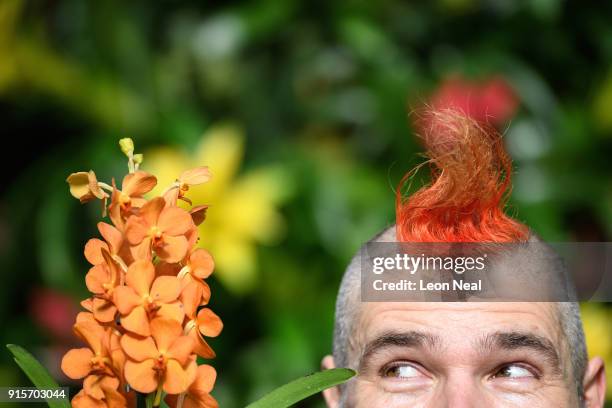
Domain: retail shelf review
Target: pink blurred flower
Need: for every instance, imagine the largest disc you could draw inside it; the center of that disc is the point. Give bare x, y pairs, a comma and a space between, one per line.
492, 100
53, 311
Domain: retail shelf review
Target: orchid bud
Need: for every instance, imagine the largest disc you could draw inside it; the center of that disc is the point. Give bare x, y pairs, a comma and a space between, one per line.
127, 146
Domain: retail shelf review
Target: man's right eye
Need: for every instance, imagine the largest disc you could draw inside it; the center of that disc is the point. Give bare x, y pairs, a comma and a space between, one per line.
401, 370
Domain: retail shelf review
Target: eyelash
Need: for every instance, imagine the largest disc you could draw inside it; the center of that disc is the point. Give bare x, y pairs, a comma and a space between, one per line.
385, 369
536, 374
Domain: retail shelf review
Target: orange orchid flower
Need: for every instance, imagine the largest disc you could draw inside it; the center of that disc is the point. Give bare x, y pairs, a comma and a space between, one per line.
199, 265
145, 297
78, 363
102, 280
112, 242
163, 361
207, 324
99, 362
191, 177
109, 342
201, 323
190, 287
111, 398
198, 393
161, 228
145, 271
84, 186
96, 386
133, 187
195, 292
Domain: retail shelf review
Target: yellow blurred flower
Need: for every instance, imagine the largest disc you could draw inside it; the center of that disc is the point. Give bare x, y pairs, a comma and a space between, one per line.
597, 321
601, 103
243, 208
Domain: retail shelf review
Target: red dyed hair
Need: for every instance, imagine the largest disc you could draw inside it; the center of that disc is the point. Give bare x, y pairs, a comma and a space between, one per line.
471, 180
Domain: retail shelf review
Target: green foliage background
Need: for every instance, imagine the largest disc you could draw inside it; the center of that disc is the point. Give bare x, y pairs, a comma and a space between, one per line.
320, 89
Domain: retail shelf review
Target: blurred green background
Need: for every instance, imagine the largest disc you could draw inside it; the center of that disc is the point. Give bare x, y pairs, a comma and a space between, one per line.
300, 109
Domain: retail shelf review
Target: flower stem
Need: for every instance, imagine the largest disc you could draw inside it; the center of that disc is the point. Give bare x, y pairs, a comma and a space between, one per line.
171, 187
180, 399
105, 186
158, 395
131, 167
149, 401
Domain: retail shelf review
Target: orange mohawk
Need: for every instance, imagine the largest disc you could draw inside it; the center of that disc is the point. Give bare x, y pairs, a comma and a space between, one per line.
471, 174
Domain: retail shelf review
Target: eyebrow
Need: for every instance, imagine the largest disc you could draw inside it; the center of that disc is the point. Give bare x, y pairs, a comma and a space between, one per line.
515, 340
411, 339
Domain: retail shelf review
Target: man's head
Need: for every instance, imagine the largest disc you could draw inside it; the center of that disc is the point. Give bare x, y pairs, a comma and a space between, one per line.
445, 354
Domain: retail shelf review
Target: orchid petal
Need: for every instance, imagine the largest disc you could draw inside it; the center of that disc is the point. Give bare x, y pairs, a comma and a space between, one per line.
202, 348
150, 212
195, 176
198, 214
205, 380
103, 310
173, 311
166, 289
140, 276
82, 400
92, 333
181, 349
93, 252
142, 251
177, 379
191, 297
76, 364
138, 183
126, 299
209, 323
202, 263
174, 248
137, 321
174, 221
139, 349
136, 230
165, 332
141, 375
111, 235
96, 277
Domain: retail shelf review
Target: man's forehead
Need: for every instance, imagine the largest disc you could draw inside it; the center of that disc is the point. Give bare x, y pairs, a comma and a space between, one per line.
457, 320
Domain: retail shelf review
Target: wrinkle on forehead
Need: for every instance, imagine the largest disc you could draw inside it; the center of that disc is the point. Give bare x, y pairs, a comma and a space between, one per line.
448, 319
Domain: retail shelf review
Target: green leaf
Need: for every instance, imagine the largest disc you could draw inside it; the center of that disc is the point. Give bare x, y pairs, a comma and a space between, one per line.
37, 373
302, 388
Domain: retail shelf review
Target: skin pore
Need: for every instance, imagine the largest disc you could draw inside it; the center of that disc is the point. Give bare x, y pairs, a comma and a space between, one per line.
462, 355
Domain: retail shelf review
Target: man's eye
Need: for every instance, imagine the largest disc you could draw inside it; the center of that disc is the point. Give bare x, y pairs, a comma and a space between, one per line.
514, 371
401, 371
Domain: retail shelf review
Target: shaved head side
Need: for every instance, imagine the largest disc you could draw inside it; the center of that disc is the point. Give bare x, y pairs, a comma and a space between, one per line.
571, 326
348, 301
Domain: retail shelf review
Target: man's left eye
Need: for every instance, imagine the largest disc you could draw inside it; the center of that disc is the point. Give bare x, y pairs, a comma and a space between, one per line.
514, 371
